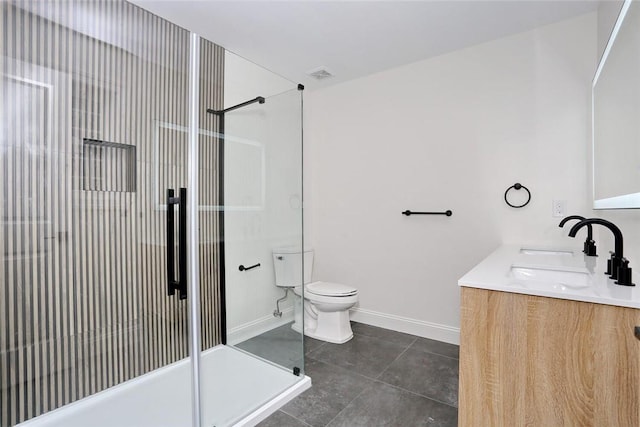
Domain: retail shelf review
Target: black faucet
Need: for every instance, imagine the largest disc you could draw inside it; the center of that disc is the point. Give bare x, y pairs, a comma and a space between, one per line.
589, 244
617, 266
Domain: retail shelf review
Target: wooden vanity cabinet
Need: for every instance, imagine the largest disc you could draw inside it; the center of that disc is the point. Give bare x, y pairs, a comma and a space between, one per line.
535, 361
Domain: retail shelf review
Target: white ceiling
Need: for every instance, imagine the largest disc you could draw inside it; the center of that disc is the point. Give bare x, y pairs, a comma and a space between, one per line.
355, 38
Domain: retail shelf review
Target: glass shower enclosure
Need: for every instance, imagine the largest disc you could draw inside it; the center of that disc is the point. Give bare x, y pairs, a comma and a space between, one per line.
130, 198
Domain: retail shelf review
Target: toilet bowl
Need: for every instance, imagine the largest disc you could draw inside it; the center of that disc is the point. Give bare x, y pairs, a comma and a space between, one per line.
325, 309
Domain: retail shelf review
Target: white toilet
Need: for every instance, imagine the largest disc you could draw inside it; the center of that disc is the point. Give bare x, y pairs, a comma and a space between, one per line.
326, 304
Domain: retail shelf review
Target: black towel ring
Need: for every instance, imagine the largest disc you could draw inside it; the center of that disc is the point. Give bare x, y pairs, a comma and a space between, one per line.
517, 186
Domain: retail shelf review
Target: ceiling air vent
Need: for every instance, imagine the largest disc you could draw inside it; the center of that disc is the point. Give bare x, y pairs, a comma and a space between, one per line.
320, 73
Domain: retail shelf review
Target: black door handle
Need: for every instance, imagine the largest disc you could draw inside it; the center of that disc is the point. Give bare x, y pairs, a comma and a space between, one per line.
182, 243
180, 283
636, 332
172, 284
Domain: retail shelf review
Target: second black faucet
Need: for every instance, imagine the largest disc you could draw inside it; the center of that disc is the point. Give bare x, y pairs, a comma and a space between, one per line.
617, 266
589, 244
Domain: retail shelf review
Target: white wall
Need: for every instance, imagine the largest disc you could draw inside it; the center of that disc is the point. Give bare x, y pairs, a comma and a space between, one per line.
262, 192
451, 132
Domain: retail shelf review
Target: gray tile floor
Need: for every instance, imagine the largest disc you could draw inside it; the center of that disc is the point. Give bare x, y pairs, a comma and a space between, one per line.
379, 378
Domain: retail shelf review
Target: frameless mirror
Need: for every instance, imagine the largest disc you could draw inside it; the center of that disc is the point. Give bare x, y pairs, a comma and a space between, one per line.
616, 116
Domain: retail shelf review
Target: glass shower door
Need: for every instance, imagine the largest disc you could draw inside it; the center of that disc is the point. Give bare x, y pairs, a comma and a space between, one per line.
33, 235
259, 143
263, 216
93, 131
97, 157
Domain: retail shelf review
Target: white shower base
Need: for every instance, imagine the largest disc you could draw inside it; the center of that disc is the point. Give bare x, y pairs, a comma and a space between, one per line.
237, 389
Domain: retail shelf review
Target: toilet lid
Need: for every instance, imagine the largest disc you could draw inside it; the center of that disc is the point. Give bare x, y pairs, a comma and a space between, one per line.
329, 289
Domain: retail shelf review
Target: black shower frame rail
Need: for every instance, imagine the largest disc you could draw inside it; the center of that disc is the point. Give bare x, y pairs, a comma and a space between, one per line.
221, 246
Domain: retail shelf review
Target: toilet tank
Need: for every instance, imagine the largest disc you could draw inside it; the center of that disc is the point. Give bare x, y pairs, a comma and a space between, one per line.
288, 266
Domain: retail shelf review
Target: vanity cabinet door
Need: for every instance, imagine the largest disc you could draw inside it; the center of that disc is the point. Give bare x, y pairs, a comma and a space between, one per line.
535, 361
617, 371
492, 359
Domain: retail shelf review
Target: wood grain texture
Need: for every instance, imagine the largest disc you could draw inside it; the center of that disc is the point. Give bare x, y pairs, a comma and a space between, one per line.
617, 377
534, 361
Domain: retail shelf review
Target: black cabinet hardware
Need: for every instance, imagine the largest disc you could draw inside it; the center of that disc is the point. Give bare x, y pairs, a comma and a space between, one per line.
177, 284
408, 213
243, 268
636, 332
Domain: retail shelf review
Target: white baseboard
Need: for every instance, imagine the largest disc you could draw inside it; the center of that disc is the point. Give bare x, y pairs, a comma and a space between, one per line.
421, 328
259, 326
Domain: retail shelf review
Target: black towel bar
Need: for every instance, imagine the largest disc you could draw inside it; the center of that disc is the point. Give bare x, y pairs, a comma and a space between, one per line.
408, 212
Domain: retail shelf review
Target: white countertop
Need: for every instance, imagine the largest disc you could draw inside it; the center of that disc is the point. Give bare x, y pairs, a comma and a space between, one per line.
495, 273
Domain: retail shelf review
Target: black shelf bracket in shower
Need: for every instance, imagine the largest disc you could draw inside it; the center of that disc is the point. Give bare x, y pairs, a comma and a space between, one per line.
409, 213
258, 99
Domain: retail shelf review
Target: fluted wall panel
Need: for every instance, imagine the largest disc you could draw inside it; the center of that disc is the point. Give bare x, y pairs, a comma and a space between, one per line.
211, 189
83, 302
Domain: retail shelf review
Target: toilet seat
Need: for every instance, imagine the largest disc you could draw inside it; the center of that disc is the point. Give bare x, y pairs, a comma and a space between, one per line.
329, 289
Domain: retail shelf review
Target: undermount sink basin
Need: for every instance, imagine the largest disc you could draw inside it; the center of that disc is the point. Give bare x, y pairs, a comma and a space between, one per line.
531, 251
558, 279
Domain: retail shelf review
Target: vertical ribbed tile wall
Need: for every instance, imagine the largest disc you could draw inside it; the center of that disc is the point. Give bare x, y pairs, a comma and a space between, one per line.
211, 192
83, 302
